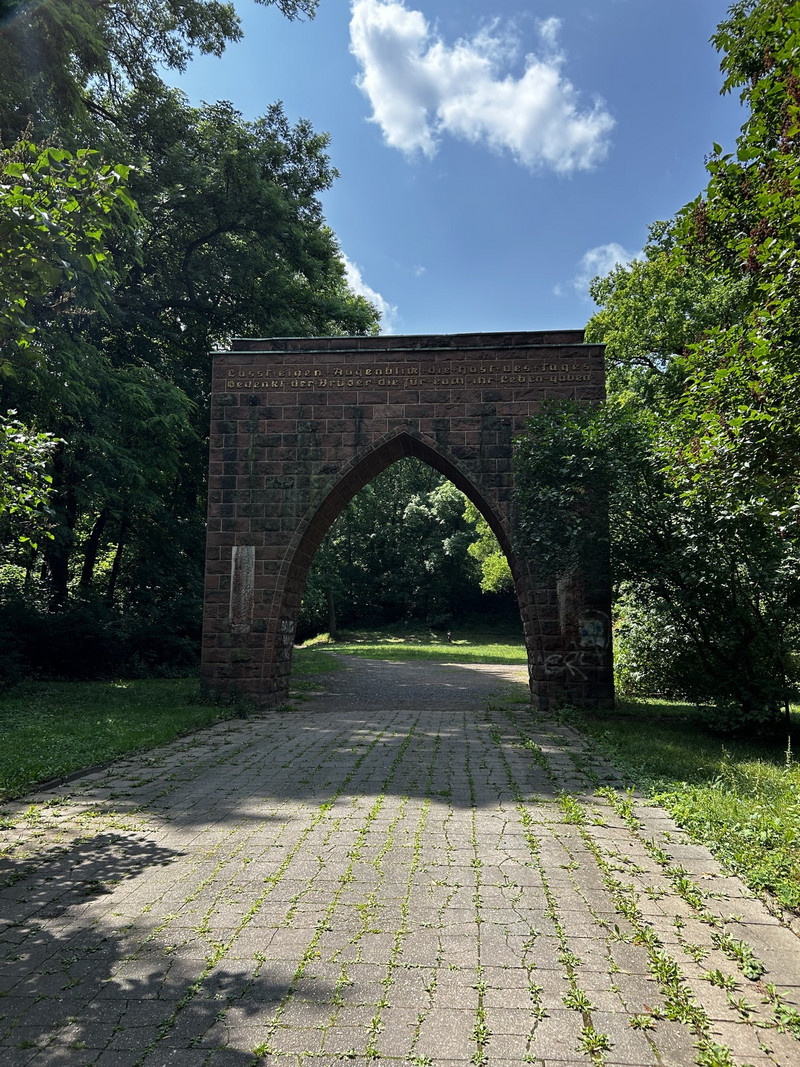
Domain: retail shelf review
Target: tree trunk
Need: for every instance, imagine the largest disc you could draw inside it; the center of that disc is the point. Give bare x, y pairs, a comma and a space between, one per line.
92, 548
332, 616
115, 566
57, 551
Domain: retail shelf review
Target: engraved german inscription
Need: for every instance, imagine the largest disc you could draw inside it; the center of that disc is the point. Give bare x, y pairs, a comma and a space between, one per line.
404, 376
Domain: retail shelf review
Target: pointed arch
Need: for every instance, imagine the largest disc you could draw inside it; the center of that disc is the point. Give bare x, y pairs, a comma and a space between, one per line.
355, 475
395, 445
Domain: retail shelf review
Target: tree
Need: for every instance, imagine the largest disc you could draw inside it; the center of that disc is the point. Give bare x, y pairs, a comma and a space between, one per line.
25, 483
702, 339
57, 210
398, 550
235, 242
496, 574
740, 424
707, 607
230, 241
227, 238
66, 66
653, 309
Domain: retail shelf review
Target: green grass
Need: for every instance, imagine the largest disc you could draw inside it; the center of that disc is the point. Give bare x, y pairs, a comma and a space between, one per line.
741, 798
53, 729
475, 642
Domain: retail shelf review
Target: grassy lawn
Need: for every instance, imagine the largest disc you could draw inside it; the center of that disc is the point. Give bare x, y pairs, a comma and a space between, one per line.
741, 798
473, 642
52, 729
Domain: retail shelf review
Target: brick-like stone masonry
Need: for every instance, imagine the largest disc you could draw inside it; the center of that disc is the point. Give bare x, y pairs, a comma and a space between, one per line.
298, 426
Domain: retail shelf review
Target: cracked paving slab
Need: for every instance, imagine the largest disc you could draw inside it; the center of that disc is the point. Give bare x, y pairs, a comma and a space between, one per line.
411, 867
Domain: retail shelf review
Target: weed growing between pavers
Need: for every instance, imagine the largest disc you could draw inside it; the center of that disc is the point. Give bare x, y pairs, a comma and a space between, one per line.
452, 885
431, 845
222, 949
311, 951
593, 1043
735, 949
404, 929
738, 796
679, 1003
480, 1031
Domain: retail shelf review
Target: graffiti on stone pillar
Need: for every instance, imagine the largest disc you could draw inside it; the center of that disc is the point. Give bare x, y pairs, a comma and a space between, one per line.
595, 628
591, 653
286, 638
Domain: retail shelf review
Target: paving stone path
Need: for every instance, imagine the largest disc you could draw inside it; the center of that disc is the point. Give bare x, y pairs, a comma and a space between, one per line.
409, 868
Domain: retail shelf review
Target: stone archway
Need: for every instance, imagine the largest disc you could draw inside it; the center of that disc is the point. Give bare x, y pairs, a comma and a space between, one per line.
300, 425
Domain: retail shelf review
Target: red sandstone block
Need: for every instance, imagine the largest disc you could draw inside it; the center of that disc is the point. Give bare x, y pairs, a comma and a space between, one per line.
337, 425
462, 424
340, 344
453, 410
382, 411
435, 396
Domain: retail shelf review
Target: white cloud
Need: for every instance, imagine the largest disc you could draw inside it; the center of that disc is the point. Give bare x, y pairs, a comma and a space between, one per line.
600, 260
421, 88
358, 285
548, 31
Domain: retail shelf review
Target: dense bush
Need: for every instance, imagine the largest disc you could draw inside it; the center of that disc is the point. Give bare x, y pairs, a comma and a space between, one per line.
88, 639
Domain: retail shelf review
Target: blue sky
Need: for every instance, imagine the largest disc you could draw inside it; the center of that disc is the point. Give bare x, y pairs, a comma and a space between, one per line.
492, 156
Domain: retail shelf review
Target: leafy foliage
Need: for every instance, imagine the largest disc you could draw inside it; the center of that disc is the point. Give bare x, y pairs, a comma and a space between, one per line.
65, 66
653, 310
57, 209
707, 603
139, 233
25, 482
561, 487
739, 414
702, 334
398, 550
496, 574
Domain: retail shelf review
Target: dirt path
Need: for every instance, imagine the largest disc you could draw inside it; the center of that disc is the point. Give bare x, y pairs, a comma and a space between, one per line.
409, 868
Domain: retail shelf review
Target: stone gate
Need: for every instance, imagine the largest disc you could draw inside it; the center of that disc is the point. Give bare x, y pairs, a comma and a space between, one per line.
298, 426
